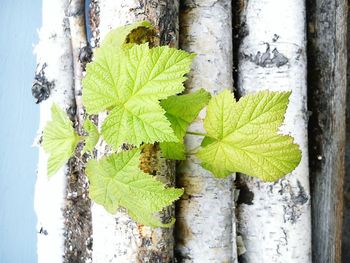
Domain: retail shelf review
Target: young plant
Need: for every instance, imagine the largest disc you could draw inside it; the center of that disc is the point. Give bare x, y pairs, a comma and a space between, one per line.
140, 86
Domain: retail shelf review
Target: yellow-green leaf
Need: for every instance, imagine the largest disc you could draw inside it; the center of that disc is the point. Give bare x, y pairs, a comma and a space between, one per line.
92, 138
173, 150
117, 181
130, 83
181, 111
244, 136
59, 139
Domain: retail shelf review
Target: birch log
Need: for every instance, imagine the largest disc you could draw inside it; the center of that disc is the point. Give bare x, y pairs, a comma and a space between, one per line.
53, 82
117, 238
80, 51
77, 212
327, 28
205, 213
274, 218
346, 223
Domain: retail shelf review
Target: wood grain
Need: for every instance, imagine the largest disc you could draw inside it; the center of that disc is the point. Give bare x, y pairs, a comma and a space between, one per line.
327, 59
346, 223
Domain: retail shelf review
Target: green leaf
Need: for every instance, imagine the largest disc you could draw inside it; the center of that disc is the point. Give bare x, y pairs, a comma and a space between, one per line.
181, 111
59, 139
244, 136
139, 33
173, 150
117, 181
206, 141
130, 83
92, 139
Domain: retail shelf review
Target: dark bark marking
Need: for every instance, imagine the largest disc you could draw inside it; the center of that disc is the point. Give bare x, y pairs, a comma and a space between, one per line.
179, 258
296, 201
43, 231
267, 59
283, 241
85, 56
301, 197
66, 26
75, 9
245, 195
275, 38
41, 88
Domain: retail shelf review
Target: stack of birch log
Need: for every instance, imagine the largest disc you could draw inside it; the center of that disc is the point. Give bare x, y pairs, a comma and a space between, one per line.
243, 45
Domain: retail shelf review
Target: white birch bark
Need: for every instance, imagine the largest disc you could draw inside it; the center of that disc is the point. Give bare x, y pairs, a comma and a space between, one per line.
117, 238
79, 43
77, 212
205, 213
54, 66
275, 223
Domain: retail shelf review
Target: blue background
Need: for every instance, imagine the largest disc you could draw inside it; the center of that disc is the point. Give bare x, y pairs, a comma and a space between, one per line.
19, 120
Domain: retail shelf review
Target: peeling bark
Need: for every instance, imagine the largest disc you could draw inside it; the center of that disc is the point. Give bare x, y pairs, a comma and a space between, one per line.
55, 72
327, 58
205, 215
77, 213
117, 238
81, 54
275, 222
346, 223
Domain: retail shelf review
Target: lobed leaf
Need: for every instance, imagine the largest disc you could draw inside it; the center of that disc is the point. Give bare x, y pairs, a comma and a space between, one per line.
59, 139
130, 83
117, 181
92, 138
242, 136
181, 111
173, 150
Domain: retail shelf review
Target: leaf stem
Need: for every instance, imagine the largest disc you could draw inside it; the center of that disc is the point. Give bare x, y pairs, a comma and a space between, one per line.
197, 133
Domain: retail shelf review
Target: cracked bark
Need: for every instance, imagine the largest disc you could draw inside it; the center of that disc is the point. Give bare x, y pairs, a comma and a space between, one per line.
346, 223
327, 58
77, 212
272, 56
117, 238
76, 17
205, 218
